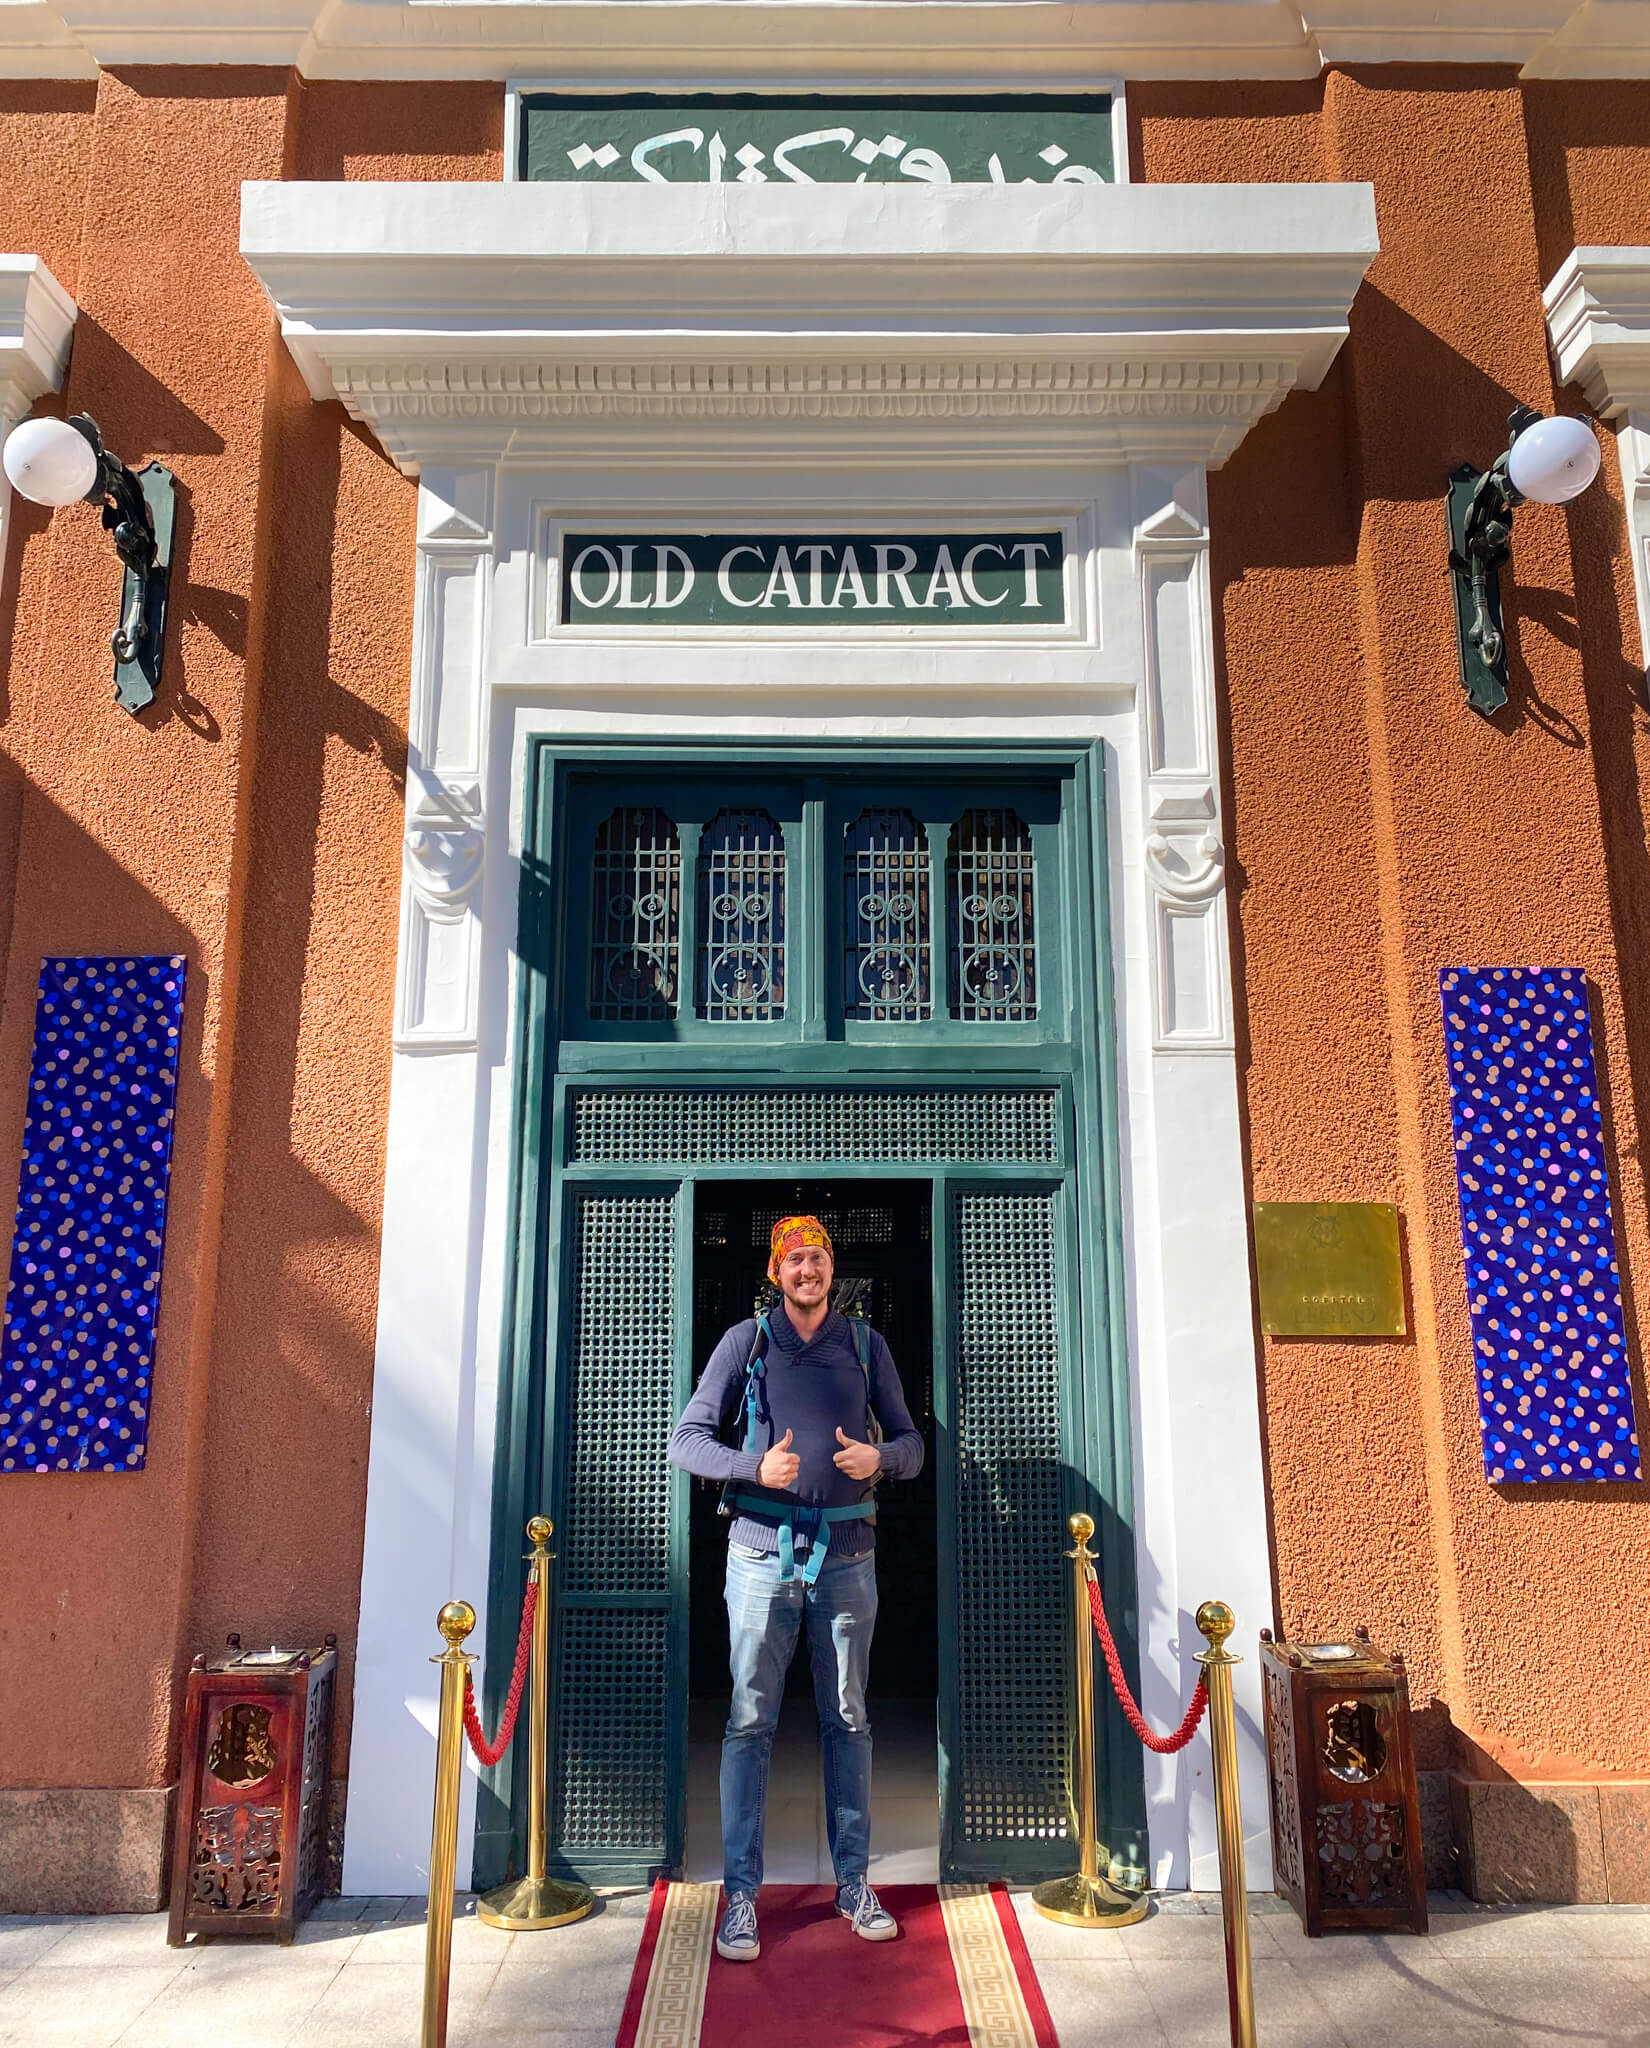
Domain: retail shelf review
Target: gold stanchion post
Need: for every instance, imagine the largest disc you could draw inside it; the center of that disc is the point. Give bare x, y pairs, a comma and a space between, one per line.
1086, 1899
536, 1900
1216, 1621
455, 1622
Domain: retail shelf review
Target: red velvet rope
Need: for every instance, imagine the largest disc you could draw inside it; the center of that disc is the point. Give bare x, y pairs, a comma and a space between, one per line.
1162, 1745
490, 1753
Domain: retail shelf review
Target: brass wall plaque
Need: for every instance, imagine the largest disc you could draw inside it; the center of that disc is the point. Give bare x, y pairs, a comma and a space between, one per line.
1329, 1269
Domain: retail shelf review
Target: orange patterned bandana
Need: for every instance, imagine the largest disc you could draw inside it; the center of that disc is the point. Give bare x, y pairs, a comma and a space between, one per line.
792, 1232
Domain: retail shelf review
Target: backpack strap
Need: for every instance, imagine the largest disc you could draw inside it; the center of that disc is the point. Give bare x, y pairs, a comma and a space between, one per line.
755, 1400
862, 1347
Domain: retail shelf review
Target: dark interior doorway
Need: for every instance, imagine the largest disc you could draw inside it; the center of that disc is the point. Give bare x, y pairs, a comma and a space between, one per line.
882, 1232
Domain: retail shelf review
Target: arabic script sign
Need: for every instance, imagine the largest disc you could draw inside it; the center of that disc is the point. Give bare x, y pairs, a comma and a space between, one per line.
755, 139
813, 580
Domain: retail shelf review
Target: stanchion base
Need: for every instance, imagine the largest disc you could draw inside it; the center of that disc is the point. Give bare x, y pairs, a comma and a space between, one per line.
529, 1902
1080, 1901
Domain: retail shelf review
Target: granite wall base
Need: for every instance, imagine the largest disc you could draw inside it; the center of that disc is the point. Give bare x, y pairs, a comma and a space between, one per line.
84, 1849
1570, 1844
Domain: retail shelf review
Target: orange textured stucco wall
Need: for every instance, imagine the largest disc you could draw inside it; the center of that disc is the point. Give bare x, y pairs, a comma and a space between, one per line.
251, 819
1379, 830
1382, 831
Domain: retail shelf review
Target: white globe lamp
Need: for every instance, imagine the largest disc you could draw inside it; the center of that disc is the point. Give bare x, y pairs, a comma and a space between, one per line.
49, 462
1553, 461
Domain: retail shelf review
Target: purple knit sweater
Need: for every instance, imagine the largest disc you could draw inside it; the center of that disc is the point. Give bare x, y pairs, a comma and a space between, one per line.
813, 1388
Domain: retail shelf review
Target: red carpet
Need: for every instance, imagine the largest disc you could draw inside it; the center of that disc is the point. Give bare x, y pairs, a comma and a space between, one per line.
957, 1977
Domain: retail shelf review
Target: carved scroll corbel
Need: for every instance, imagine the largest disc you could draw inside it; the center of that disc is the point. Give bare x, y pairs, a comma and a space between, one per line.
1187, 870
442, 855
444, 845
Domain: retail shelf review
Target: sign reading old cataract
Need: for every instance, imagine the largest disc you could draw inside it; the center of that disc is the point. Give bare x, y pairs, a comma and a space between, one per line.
829, 580
755, 139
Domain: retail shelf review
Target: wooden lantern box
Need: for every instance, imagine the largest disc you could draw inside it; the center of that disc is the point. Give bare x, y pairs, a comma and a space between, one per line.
1346, 1814
249, 1844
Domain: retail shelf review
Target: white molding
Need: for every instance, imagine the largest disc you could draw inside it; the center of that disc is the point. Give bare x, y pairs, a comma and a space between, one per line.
662, 366
37, 319
466, 320
445, 840
825, 44
1598, 318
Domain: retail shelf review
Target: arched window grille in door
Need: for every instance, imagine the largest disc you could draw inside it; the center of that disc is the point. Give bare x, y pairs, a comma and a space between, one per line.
741, 919
991, 883
887, 952
635, 916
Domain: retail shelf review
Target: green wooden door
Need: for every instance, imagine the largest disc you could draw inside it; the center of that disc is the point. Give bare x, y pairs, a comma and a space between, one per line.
792, 969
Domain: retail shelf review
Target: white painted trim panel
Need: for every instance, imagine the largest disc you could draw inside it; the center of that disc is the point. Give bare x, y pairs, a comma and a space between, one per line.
920, 43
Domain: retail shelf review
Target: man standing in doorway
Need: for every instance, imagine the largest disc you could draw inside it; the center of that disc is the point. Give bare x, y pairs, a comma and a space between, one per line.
801, 1548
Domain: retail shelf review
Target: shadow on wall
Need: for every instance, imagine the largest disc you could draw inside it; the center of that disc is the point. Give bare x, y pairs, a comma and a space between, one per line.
212, 1536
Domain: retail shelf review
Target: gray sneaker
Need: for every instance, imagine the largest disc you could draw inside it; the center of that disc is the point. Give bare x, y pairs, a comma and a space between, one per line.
872, 1920
736, 1940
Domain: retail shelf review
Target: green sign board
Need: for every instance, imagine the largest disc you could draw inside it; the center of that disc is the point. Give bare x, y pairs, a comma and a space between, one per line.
813, 580
760, 138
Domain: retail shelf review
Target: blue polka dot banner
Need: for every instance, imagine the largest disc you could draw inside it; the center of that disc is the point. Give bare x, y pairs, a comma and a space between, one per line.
1555, 1401
79, 1342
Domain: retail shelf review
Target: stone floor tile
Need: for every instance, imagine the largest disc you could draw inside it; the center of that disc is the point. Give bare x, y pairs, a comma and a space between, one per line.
1190, 2001
1052, 1940
261, 2006
381, 2007
1095, 2006
904, 1866
536, 2035
1581, 2000
570, 1990
339, 1908
1161, 1935
402, 1941
228, 1959
1621, 1934
75, 2008
612, 1937
1511, 1933
124, 1940
24, 1939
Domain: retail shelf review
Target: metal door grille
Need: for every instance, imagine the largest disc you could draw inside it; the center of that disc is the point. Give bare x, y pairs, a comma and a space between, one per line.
1012, 1623
992, 886
635, 916
989, 1126
741, 919
612, 1728
887, 977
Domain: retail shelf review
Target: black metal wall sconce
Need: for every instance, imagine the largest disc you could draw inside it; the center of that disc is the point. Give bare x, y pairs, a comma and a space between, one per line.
54, 462
1547, 462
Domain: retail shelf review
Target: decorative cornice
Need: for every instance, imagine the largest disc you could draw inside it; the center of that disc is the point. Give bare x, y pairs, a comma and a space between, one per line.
453, 320
37, 319
1598, 315
779, 42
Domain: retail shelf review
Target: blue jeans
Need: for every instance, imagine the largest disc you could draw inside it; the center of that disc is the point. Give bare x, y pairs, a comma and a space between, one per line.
763, 1619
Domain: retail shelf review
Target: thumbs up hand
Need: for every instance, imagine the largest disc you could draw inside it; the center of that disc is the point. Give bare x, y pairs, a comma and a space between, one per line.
859, 1461
779, 1466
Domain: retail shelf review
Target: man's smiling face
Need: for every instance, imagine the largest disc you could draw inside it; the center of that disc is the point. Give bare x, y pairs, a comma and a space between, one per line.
805, 1276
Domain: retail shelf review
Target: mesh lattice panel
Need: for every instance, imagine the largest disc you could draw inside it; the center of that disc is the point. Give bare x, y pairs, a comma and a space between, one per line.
613, 1533
607, 1780
1008, 1126
862, 1224
1012, 1624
